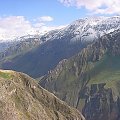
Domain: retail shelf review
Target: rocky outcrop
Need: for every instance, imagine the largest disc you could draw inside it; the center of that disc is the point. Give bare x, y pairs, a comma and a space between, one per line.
99, 103
21, 98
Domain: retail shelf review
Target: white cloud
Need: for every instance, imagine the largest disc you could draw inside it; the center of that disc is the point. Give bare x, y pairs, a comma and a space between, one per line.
43, 28
45, 19
96, 6
15, 26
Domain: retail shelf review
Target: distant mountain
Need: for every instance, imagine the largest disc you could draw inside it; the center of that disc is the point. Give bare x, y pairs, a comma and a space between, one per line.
90, 80
21, 98
18, 46
4, 45
88, 29
60, 44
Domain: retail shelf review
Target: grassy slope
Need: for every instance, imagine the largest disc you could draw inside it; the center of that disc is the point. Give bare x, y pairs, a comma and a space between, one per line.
107, 70
5, 75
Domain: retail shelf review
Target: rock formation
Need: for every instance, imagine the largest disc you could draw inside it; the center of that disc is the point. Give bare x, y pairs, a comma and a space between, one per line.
100, 103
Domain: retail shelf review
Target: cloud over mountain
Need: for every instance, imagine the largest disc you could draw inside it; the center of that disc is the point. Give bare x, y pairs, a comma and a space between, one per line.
15, 26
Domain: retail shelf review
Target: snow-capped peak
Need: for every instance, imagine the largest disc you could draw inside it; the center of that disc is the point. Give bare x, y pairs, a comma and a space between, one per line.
86, 29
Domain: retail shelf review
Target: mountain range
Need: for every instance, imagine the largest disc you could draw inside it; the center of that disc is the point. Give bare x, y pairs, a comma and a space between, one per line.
57, 45
91, 78
79, 64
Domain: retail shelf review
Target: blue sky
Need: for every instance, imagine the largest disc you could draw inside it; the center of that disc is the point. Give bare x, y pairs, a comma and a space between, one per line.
21, 17
33, 9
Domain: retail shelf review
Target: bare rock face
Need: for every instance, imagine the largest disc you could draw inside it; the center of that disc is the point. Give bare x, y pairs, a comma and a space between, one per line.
21, 98
100, 103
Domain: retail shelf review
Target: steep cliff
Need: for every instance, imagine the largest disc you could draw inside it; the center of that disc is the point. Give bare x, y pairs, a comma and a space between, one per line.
100, 103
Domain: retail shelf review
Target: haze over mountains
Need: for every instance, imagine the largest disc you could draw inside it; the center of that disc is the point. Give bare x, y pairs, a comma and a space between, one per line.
57, 45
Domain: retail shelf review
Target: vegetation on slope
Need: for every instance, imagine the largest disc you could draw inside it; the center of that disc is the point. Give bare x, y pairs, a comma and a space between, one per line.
45, 56
5, 75
98, 63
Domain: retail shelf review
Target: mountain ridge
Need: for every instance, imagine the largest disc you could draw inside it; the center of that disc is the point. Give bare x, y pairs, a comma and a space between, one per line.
61, 44
97, 63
